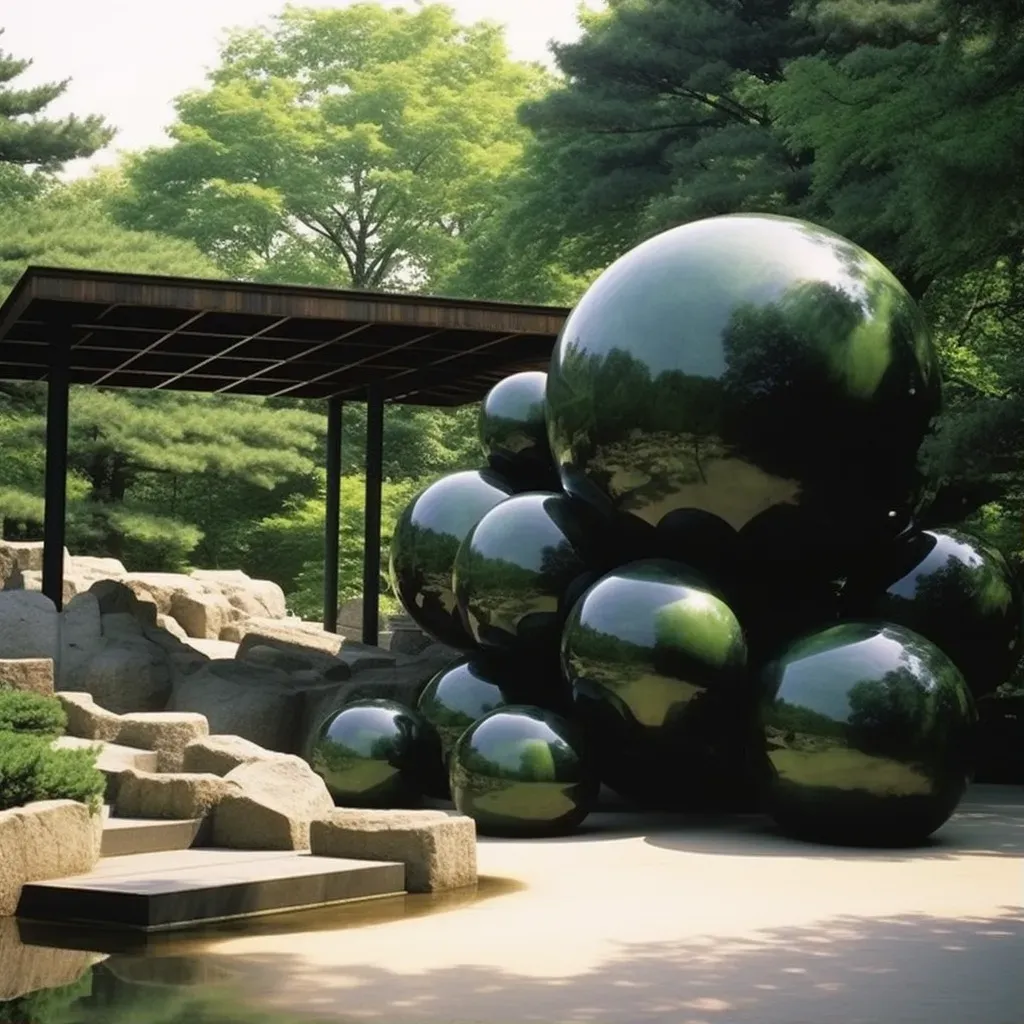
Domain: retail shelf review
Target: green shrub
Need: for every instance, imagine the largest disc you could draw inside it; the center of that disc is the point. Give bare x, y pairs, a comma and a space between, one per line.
31, 713
32, 769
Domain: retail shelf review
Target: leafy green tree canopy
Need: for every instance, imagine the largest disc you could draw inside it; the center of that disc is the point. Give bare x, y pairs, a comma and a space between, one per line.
349, 146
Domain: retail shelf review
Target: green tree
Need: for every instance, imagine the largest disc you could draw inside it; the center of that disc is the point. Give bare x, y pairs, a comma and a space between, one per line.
33, 147
352, 146
663, 116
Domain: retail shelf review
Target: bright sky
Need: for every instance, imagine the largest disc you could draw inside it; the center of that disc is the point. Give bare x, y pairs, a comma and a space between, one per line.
128, 59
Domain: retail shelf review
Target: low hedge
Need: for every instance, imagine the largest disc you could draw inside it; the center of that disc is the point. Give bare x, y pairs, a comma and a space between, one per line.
32, 713
32, 769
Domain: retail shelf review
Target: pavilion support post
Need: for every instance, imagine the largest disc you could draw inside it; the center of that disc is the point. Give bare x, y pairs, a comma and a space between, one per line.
56, 473
371, 536
332, 524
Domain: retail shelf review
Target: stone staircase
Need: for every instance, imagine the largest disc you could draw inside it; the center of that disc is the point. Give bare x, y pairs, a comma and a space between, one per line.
159, 874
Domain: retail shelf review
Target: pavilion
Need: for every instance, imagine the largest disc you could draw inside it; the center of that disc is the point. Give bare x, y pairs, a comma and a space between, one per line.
115, 330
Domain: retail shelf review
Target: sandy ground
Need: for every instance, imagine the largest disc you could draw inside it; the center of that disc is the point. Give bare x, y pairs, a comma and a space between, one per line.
641, 919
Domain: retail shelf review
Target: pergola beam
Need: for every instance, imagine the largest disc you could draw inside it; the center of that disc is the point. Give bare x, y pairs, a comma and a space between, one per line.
332, 519
371, 534
56, 472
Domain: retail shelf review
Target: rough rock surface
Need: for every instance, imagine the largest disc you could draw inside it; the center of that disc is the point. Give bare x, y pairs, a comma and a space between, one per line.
49, 839
168, 733
256, 703
34, 675
438, 849
10, 572
29, 625
126, 673
176, 795
273, 811
87, 720
28, 968
219, 755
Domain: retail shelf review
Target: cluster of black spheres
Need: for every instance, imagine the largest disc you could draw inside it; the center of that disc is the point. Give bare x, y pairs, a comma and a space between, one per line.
698, 567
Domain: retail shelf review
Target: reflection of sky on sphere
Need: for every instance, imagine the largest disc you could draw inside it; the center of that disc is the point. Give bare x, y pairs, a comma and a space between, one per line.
525, 540
726, 260
822, 682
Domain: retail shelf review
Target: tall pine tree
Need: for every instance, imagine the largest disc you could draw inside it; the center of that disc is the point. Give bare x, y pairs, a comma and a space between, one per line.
34, 147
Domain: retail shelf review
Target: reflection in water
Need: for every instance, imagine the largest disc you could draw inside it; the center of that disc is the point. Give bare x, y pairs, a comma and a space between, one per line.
177, 978
739, 364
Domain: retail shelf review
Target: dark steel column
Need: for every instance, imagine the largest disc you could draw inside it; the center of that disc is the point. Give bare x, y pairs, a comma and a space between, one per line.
55, 483
371, 534
332, 524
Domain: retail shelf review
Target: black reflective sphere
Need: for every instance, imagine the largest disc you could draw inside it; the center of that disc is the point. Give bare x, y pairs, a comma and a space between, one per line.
423, 548
519, 571
869, 732
521, 771
952, 588
377, 753
657, 663
513, 431
742, 363
456, 697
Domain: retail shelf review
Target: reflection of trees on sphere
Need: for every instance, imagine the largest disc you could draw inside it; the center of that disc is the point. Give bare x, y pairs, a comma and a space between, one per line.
513, 431
741, 363
657, 663
868, 732
378, 753
425, 541
522, 771
953, 589
466, 691
519, 571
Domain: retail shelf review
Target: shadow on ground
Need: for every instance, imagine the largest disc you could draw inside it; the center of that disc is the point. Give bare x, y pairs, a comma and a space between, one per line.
899, 970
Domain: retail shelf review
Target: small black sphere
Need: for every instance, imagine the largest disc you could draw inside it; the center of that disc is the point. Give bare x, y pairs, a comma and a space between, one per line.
868, 731
955, 590
523, 772
513, 431
424, 544
377, 753
519, 571
458, 696
657, 663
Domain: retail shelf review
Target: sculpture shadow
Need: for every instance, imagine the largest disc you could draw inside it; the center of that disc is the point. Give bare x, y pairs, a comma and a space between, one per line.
989, 823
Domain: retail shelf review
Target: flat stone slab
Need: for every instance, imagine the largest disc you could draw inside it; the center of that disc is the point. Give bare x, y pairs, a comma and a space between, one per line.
113, 757
125, 837
187, 888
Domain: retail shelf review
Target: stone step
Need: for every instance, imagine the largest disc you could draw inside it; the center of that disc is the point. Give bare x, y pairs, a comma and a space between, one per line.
125, 837
186, 888
113, 758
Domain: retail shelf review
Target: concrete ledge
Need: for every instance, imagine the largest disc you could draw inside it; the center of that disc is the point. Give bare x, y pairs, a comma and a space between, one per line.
437, 849
164, 891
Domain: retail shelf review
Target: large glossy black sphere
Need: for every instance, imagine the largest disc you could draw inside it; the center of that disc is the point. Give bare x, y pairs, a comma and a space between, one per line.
869, 736
377, 753
519, 571
657, 663
742, 363
954, 589
426, 539
458, 696
521, 771
513, 431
